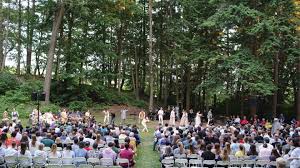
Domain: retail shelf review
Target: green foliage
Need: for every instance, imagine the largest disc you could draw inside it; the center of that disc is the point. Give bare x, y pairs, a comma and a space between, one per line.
8, 82
49, 108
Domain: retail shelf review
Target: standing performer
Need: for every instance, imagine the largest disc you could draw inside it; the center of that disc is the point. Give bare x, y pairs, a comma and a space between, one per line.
5, 117
144, 124
160, 116
87, 116
106, 116
64, 116
184, 119
123, 115
14, 115
172, 118
198, 119
142, 115
34, 117
209, 117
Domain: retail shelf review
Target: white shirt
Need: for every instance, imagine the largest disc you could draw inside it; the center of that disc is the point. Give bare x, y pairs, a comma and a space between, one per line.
11, 152
295, 163
160, 112
68, 154
270, 147
265, 152
54, 155
39, 153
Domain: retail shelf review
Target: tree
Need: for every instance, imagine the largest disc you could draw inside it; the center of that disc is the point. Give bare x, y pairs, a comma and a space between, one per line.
151, 75
56, 25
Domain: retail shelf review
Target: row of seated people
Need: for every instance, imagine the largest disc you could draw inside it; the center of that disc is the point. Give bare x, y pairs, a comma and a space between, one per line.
70, 141
229, 143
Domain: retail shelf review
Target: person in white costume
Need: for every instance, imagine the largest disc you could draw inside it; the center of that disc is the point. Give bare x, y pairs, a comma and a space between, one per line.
172, 118
106, 116
160, 116
144, 124
184, 119
198, 119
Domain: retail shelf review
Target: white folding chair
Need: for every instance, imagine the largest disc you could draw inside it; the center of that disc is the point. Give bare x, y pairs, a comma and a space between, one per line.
69, 166
39, 162
180, 156
79, 160
66, 161
24, 161
209, 162
53, 166
93, 161
181, 162
249, 163
85, 166
272, 163
98, 166
222, 163
236, 163
11, 161
59, 149
52, 161
167, 162
262, 163
121, 162
47, 149
106, 162
195, 163
192, 156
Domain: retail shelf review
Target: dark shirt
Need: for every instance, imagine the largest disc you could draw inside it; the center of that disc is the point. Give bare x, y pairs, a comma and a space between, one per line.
208, 155
47, 142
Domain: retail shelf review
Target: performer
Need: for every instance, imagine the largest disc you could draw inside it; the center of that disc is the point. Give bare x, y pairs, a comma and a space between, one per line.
184, 119
64, 116
14, 115
87, 116
198, 119
112, 118
34, 117
172, 118
160, 116
142, 115
144, 124
106, 116
5, 117
123, 115
209, 117
49, 118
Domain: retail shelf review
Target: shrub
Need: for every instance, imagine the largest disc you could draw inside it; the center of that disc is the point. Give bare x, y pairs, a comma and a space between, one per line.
7, 82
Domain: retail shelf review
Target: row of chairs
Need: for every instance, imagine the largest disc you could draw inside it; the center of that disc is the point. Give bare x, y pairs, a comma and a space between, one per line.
214, 167
23, 161
199, 163
232, 157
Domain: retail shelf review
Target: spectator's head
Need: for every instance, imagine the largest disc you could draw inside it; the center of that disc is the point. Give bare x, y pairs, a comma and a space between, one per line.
14, 134
69, 147
41, 147
23, 148
296, 141
87, 144
126, 146
110, 144
209, 147
280, 163
95, 146
13, 144
54, 148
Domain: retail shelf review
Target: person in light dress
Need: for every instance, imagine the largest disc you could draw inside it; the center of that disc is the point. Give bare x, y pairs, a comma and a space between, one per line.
172, 118
198, 119
184, 119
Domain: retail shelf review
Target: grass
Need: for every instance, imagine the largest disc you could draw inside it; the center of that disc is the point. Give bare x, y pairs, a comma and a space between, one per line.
146, 157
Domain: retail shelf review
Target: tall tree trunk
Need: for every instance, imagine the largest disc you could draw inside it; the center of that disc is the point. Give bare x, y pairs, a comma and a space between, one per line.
136, 69
298, 87
188, 88
177, 84
19, 37
56, 24
276, 72
30, 28
2, 59
151, 57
